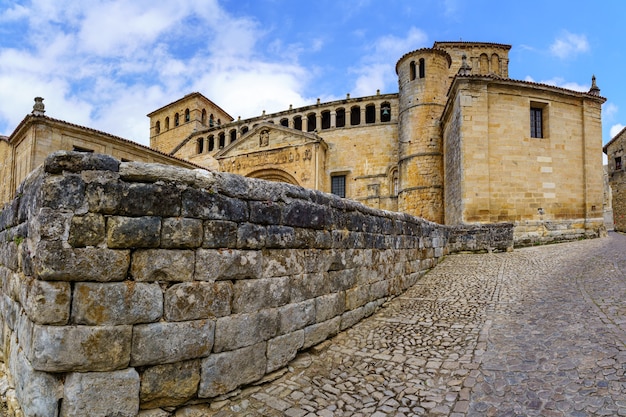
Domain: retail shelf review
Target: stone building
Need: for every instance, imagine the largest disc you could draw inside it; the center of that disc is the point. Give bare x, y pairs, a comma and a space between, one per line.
616, 157
460, 142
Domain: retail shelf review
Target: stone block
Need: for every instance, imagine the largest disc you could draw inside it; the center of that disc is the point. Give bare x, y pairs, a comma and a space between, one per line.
283, 349
296, 316
153, 172
380, 289
46, 302
52, 261
181, 233
70, 161
357, 296
133, 232
116, 303
49, 224
251, 236
87, 230
319, 332
9, 256
308, 286
80, 348
342, 280
101, 394
198, 300
65, 192
280, 237
169, 385
282, 262
160, 343
162, 265
209, 205
266, 212
219, 234
37, 392
307, 215
329, 306
352, 317
223, 372
225, 264
241, 330
252, 295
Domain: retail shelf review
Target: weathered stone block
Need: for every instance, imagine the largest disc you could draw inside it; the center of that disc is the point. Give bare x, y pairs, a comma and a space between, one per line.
342, 280
63, 192
101, 394
153, 172
319, 332
46, 302
282, 349
280, 237
80, 348
37, 392
307, 215
223, 372
198, 300
307, 286
50, 224
266, 212
169, 385
296, 316
149, 265
251, 236
329, 306
177, 232
208, 205
352, 317
357, 296
241, 330
116, 303
252, 295
212, 264
133, 232
378, 290
282, 262
160, 343
87, 230
52, 261
70, 161
220, 234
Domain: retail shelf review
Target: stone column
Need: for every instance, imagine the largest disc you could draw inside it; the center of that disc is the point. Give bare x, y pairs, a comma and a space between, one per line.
333, 119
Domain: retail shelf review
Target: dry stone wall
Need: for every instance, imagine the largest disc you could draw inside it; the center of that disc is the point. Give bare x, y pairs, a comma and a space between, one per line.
161, 286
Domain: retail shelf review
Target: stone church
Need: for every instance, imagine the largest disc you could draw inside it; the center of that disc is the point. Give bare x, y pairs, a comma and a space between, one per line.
459, 143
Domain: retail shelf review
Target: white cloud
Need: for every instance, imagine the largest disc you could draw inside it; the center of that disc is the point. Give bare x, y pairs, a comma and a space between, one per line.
615, 129
376, 71
609, 110
560, 82
569, 45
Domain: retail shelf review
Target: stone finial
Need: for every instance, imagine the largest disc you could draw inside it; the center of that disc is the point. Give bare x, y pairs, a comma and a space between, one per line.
465, 67
38, 108
594, 90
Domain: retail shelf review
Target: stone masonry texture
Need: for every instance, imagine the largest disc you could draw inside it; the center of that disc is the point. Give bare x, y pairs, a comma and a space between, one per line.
119, 279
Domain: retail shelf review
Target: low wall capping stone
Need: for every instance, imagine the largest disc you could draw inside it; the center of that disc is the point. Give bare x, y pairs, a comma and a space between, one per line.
166, 286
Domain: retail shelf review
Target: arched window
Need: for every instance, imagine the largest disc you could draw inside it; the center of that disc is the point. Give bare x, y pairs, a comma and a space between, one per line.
157, 128
370, 113
211, 120
495, 64
326, 119
394, 182
311, 122
167, 123
484, 64
203, 120
284, 122
341, 117
355, 116
211, 143
297, 122
233, 135
422, 68
219, 122
187, 115
222, 138
412, 70
176, 119
244, 130
385, 112
200, 145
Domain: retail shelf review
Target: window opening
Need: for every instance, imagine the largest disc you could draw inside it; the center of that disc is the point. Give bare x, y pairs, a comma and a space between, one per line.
338, 185
385, 112
618, 163
311, 122
211, 143
355, 116
412, 70
244, 130
176, 121
187, 115
167, 123
370, 113
81, 149
284, 122
422, 68
158, 127
200, 145
203, 121
326, 119
536, 122
233, 135
222, 138
340, 118
211, 120
297, 122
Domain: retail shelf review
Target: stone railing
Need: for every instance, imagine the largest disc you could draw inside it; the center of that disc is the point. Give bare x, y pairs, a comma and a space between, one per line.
158, 286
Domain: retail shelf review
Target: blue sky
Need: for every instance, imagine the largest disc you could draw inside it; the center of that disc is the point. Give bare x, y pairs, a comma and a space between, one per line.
106, 64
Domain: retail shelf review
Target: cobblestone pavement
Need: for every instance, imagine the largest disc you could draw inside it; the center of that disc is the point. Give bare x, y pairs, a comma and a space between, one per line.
536, 332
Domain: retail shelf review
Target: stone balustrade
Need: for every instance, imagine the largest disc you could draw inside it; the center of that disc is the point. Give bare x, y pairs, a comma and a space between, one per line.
160, 286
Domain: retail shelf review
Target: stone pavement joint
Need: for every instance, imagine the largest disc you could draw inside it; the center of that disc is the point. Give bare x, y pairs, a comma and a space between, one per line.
538, 331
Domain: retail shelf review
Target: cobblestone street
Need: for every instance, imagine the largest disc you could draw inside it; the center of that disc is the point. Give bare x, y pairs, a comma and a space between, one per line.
539, 331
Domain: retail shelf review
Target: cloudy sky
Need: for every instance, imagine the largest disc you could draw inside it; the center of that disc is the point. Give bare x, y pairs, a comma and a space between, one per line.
106, 64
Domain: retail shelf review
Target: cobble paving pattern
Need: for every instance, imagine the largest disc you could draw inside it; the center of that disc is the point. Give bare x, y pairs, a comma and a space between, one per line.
536, 332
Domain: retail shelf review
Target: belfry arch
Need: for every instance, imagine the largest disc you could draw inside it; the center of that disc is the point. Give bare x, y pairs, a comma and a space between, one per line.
275, 175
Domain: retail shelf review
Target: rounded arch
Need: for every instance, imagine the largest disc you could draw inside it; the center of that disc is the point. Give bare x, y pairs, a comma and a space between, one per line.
275, 175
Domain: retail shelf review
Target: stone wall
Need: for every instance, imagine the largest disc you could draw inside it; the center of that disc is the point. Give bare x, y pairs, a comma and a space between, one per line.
162, 286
